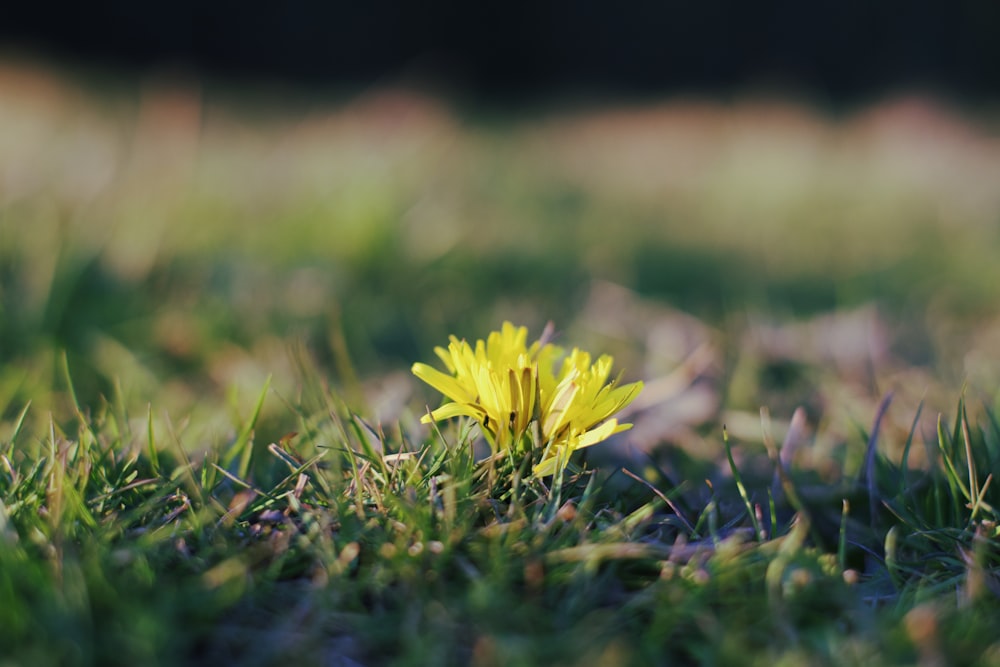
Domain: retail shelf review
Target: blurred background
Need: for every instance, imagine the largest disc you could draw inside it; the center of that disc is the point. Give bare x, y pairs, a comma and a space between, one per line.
783, 204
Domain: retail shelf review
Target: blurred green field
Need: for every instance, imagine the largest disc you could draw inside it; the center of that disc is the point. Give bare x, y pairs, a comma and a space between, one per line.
178, 243
172, 218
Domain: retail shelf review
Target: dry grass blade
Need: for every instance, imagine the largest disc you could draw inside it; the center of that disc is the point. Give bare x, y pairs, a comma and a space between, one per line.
662, 496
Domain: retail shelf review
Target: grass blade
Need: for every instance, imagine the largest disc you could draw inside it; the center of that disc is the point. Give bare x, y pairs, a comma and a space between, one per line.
154, 457
970, 461
955, 483
740, 486
243, 446
870, 459
19, 423
842, 538
904, 464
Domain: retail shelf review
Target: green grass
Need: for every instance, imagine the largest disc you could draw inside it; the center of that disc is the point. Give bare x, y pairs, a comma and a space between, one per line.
125, 542
210, 448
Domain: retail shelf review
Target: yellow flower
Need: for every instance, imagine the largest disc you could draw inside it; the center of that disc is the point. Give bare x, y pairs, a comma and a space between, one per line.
575, 404
506, 385
495, 383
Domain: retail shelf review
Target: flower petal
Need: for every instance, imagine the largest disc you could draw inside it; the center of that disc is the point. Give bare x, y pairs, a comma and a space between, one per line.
449, 410
445, 384
600, 433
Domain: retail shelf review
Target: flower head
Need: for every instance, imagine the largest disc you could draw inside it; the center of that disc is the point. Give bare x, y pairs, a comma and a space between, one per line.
506, 385
576, 405
495, 383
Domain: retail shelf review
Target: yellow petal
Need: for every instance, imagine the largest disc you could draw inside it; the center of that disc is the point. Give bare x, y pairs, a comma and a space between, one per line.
600, 433
445, 384
555, 415
546, 467
449, 410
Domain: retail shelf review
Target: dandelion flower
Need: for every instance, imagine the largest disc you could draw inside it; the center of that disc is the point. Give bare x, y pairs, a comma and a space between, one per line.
576, 405
507, 385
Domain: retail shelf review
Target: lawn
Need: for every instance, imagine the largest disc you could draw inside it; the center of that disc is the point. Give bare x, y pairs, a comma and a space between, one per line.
211, 442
